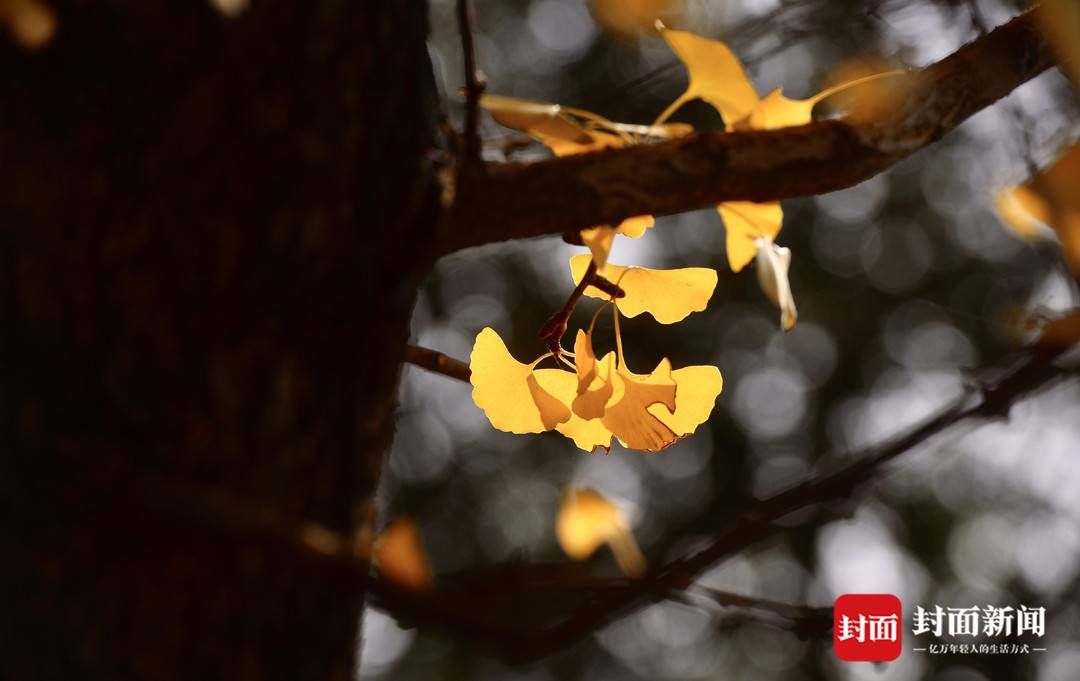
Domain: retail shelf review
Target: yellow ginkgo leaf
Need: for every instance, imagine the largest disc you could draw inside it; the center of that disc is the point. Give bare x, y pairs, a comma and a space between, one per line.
594, 386
627, 413
400, 558
635, 227
1051, 198
668, 295
745, 223
508, 391
536, 118
587, 520
777, 111
695, 395
589, 434
716, 76
599, 239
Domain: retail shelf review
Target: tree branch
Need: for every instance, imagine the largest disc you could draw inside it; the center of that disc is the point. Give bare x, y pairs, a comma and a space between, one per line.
438, 362
757, 521
516, 200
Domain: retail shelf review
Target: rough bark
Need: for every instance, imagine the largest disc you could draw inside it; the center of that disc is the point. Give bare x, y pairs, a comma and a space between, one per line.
211, 232
521, 200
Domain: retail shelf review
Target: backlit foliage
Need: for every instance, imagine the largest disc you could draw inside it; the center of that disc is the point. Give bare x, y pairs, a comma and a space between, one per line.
593, 400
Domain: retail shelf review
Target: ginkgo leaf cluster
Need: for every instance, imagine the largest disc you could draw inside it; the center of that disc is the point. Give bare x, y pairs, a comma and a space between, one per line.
596, 399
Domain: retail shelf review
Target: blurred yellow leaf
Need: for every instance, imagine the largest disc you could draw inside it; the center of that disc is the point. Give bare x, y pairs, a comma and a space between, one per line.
587, 520
668, 295
746, 222
868, 88
508, 391
399, 556
697, 388
599, 239
31, 22
1052, 198
1060, 21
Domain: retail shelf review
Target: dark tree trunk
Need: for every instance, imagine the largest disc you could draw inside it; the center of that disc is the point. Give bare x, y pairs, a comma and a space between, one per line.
211, 231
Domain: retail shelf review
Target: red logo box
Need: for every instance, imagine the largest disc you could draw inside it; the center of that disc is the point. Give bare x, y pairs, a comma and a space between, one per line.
867, 627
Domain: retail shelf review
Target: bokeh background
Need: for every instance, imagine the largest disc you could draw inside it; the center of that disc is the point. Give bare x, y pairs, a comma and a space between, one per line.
906, 285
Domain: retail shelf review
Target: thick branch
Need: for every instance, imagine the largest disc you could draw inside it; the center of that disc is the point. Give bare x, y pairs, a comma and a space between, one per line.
514, 200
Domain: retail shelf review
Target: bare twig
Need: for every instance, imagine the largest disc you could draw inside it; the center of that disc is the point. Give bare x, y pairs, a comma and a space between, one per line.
554, 328
802, 620
756, 522
438, 362
514, 200
606, 599
474, 85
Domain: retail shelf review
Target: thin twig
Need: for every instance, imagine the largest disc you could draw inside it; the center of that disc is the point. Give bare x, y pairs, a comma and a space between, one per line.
555, 328
474, 84
433, 360
756, 521
803, 620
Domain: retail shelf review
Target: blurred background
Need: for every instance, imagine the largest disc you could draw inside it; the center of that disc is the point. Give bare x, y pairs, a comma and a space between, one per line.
905, 285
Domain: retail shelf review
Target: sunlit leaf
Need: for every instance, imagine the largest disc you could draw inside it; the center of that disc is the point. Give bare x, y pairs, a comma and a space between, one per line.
745, 223
697, 388
668, 295
399, 556
635, 227
716, 76
587, 433
773, 263
775, 110
1051, 198
599, 239
594, 385
627, 415
587, 520
508, 391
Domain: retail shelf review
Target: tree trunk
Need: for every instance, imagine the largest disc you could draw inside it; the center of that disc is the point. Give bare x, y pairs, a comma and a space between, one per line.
211, 230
